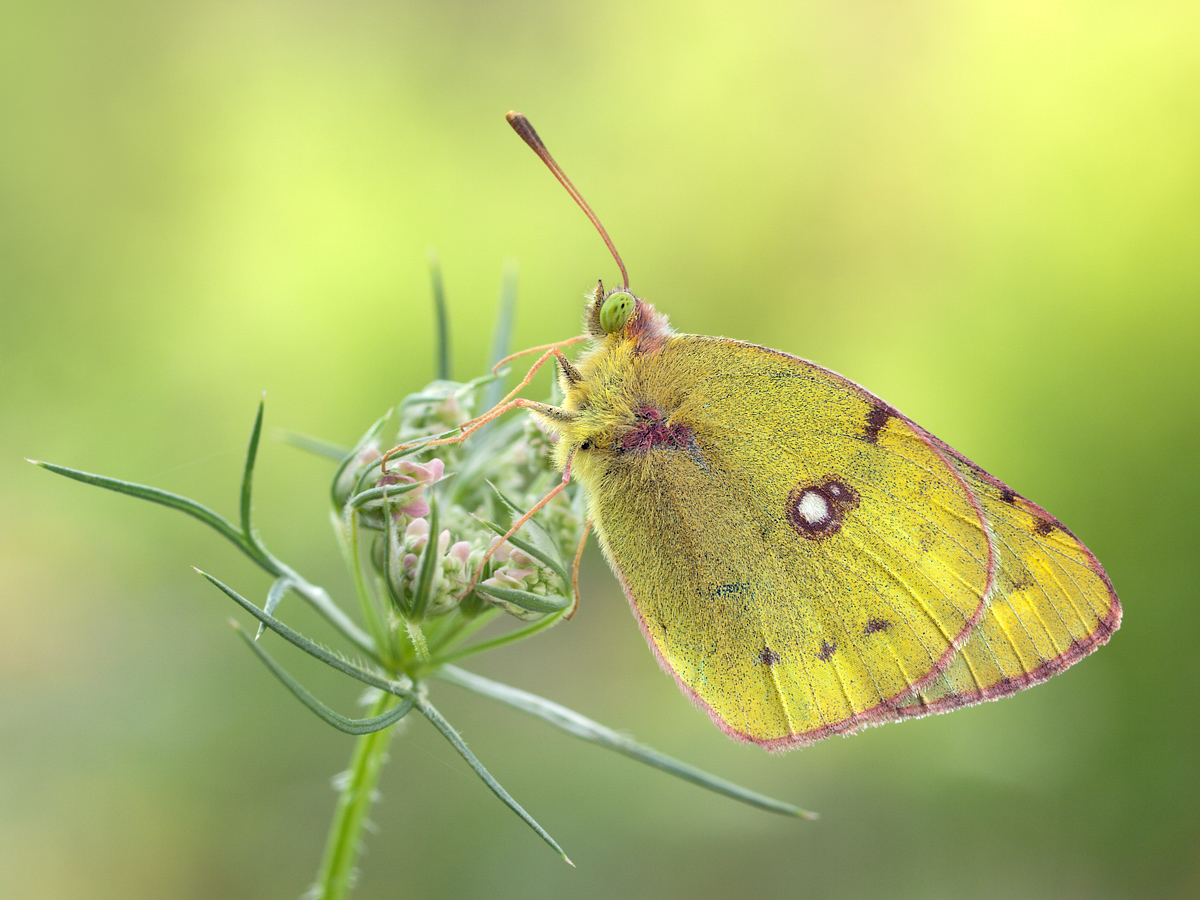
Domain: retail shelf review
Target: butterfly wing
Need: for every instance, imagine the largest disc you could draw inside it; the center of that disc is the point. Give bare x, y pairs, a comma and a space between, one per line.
798, 559
1052, 606
804, 560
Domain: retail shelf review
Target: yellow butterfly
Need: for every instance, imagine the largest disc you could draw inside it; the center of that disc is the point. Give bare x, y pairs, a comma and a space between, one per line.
803, 559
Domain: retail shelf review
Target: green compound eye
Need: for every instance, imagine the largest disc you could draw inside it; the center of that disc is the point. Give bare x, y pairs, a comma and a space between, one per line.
615, 312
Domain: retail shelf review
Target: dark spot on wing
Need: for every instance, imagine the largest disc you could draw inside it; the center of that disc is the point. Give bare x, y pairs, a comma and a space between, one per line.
724, 590
1044, 527
1008, 495
877, 420
828, 648
874, 625
768, 657
816, 510
837, 491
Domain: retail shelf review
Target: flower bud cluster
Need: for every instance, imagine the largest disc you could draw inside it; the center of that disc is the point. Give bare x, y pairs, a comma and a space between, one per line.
431, 534
449, 570
517, 570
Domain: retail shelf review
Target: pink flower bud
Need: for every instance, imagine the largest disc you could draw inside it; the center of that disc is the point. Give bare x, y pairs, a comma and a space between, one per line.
462, 552
513, 578
415, 509
501, 551
416, 535
423, 474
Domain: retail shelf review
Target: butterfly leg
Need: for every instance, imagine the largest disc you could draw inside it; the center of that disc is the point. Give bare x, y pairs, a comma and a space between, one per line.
516, 526
587, 526
567, 343
510, 401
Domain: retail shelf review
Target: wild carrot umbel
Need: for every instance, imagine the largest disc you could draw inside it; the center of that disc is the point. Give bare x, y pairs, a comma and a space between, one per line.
413, 533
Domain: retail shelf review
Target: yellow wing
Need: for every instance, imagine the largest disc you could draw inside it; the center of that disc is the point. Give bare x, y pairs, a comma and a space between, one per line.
1053, 604
804, 560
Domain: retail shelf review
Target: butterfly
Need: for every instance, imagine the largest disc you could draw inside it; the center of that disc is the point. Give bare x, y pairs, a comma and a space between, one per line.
803, 559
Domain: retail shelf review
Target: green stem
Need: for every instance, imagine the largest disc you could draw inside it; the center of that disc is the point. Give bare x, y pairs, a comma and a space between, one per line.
337, 874
346, 529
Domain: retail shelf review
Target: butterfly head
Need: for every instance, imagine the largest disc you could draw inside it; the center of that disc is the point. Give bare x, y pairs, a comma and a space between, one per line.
622, 315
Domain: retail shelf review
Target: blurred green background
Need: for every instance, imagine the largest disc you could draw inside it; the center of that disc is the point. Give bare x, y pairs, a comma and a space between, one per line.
989, 214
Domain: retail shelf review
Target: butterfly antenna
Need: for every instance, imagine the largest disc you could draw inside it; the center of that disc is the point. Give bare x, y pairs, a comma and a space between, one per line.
521, 126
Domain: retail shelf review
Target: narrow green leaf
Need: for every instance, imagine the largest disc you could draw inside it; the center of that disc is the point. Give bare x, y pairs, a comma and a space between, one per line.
391, 491
319, 599
279, 587
391, 580
166, 498
443, 320
336, 719
456, 741
518, 634
430, 558
345, 526
573, 723
502, 335
248, 472
315, 596
461, 389
313, 445
477, 382
455, 627
312, 649
548, 603
371, 434
537, 533
275, 594
417, 637
544, 558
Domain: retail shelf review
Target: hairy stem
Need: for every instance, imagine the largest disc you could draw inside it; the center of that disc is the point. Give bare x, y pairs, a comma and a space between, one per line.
339, 865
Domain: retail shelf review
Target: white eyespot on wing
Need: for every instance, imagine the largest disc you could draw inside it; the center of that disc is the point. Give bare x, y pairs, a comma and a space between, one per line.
813, 508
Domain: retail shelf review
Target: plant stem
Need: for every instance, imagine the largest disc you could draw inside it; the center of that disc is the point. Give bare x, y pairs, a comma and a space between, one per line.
338, 867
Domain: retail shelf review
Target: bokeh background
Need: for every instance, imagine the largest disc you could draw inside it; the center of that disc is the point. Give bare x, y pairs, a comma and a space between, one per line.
989, 214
